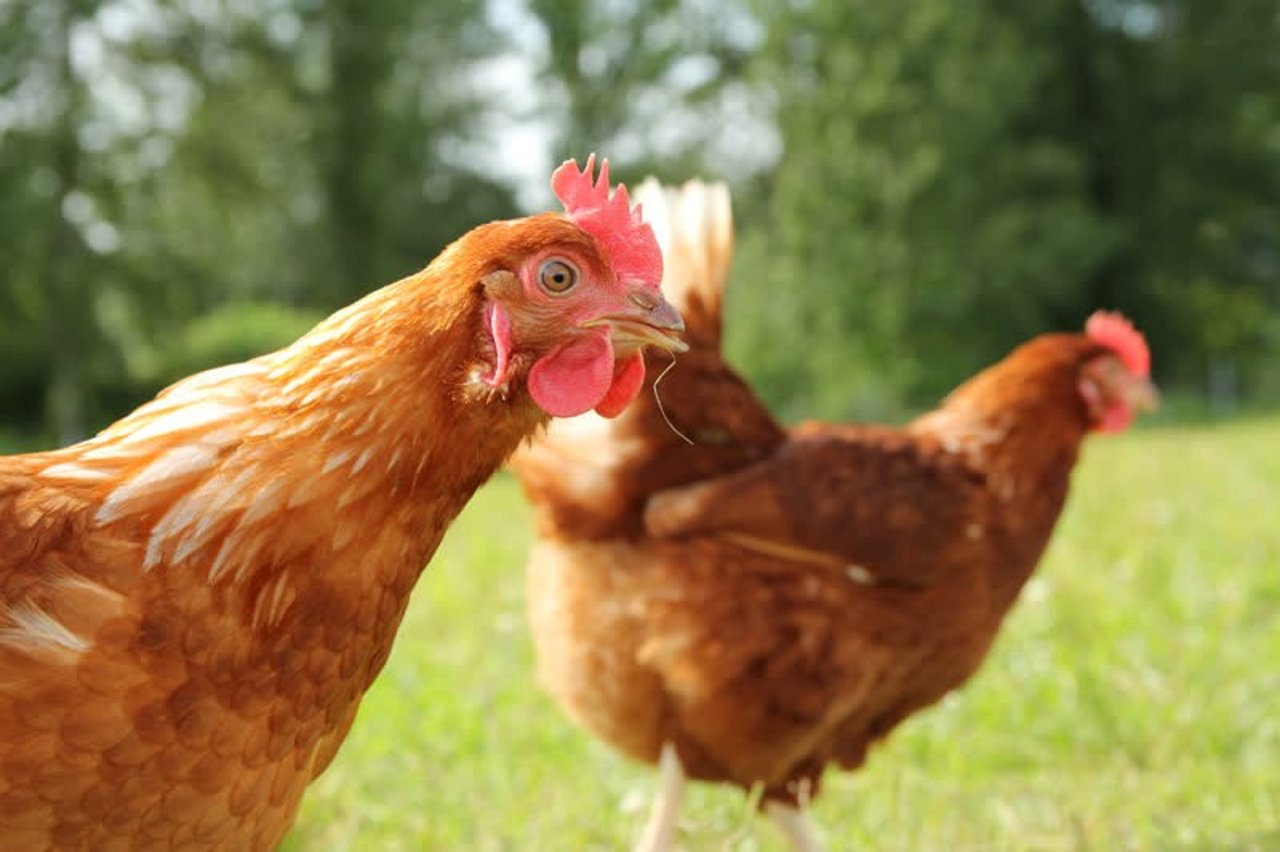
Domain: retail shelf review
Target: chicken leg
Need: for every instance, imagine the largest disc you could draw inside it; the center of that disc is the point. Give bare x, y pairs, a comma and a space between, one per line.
796, 825
660, 832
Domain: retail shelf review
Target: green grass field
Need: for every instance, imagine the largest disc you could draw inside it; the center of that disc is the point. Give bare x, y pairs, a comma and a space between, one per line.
1132, 701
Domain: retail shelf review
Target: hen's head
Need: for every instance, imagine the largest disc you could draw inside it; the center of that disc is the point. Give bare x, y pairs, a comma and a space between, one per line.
572, 299
1115, 381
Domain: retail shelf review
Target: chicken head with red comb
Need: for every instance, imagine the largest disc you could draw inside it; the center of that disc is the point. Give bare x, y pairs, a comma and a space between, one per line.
607, 292
1117, 386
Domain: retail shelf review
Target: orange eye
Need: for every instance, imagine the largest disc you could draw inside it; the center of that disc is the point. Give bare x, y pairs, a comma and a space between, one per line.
557, 276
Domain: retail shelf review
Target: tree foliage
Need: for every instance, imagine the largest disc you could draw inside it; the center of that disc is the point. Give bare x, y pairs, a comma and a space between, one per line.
918, 186
164, 162
960, 177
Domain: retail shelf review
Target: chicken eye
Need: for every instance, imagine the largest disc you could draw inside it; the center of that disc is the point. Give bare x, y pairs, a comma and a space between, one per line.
557, 276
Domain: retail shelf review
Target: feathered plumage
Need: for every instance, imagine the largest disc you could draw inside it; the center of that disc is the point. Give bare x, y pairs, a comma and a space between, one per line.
193, 602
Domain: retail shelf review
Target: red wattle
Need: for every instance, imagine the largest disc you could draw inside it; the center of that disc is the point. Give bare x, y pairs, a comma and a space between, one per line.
627, 379
575, 377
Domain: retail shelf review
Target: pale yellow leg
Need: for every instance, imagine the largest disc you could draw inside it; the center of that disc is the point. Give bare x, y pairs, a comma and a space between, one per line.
796, 825
660, 833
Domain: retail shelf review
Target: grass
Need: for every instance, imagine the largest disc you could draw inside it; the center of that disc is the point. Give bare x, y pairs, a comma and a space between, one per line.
1131, 703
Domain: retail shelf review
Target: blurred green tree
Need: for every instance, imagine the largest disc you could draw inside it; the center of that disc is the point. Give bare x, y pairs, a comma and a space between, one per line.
402, 111
958, 178
1185, 152
653, 85
55, 234
160, 168
918, 186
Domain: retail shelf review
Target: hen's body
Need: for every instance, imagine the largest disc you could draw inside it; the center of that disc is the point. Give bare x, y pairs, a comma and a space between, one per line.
771, 602
763, 660
193, 603
176, 663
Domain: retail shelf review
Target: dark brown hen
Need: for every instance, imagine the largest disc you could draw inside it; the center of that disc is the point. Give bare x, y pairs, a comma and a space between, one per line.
762, 603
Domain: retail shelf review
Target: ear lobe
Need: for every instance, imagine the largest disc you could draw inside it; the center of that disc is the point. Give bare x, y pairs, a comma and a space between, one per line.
573, 378
1092, 394
1106, 417
499, 323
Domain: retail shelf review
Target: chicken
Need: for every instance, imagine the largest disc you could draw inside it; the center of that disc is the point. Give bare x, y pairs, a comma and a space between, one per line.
756, 604
193, 602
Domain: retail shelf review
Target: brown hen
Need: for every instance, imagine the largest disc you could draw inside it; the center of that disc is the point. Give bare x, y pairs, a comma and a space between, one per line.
193, 602
760, 603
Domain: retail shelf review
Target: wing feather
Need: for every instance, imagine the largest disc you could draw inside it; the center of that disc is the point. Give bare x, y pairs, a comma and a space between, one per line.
873, 501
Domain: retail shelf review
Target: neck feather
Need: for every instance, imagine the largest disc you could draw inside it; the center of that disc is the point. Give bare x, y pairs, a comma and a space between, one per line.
349, 451
1021, 430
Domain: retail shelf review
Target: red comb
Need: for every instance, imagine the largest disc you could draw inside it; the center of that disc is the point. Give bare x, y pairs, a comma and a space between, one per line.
1112, 330
632, 248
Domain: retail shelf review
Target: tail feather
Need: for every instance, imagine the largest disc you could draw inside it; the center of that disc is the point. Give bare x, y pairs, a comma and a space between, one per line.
694, 226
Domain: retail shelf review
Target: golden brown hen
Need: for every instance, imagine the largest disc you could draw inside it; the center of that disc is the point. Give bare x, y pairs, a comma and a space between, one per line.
761, 603
193, 602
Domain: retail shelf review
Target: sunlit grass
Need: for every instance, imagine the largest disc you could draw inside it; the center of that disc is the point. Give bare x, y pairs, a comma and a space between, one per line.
1132, 702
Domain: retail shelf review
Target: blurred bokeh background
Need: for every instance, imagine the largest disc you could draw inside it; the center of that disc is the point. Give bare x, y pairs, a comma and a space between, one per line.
918, 185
